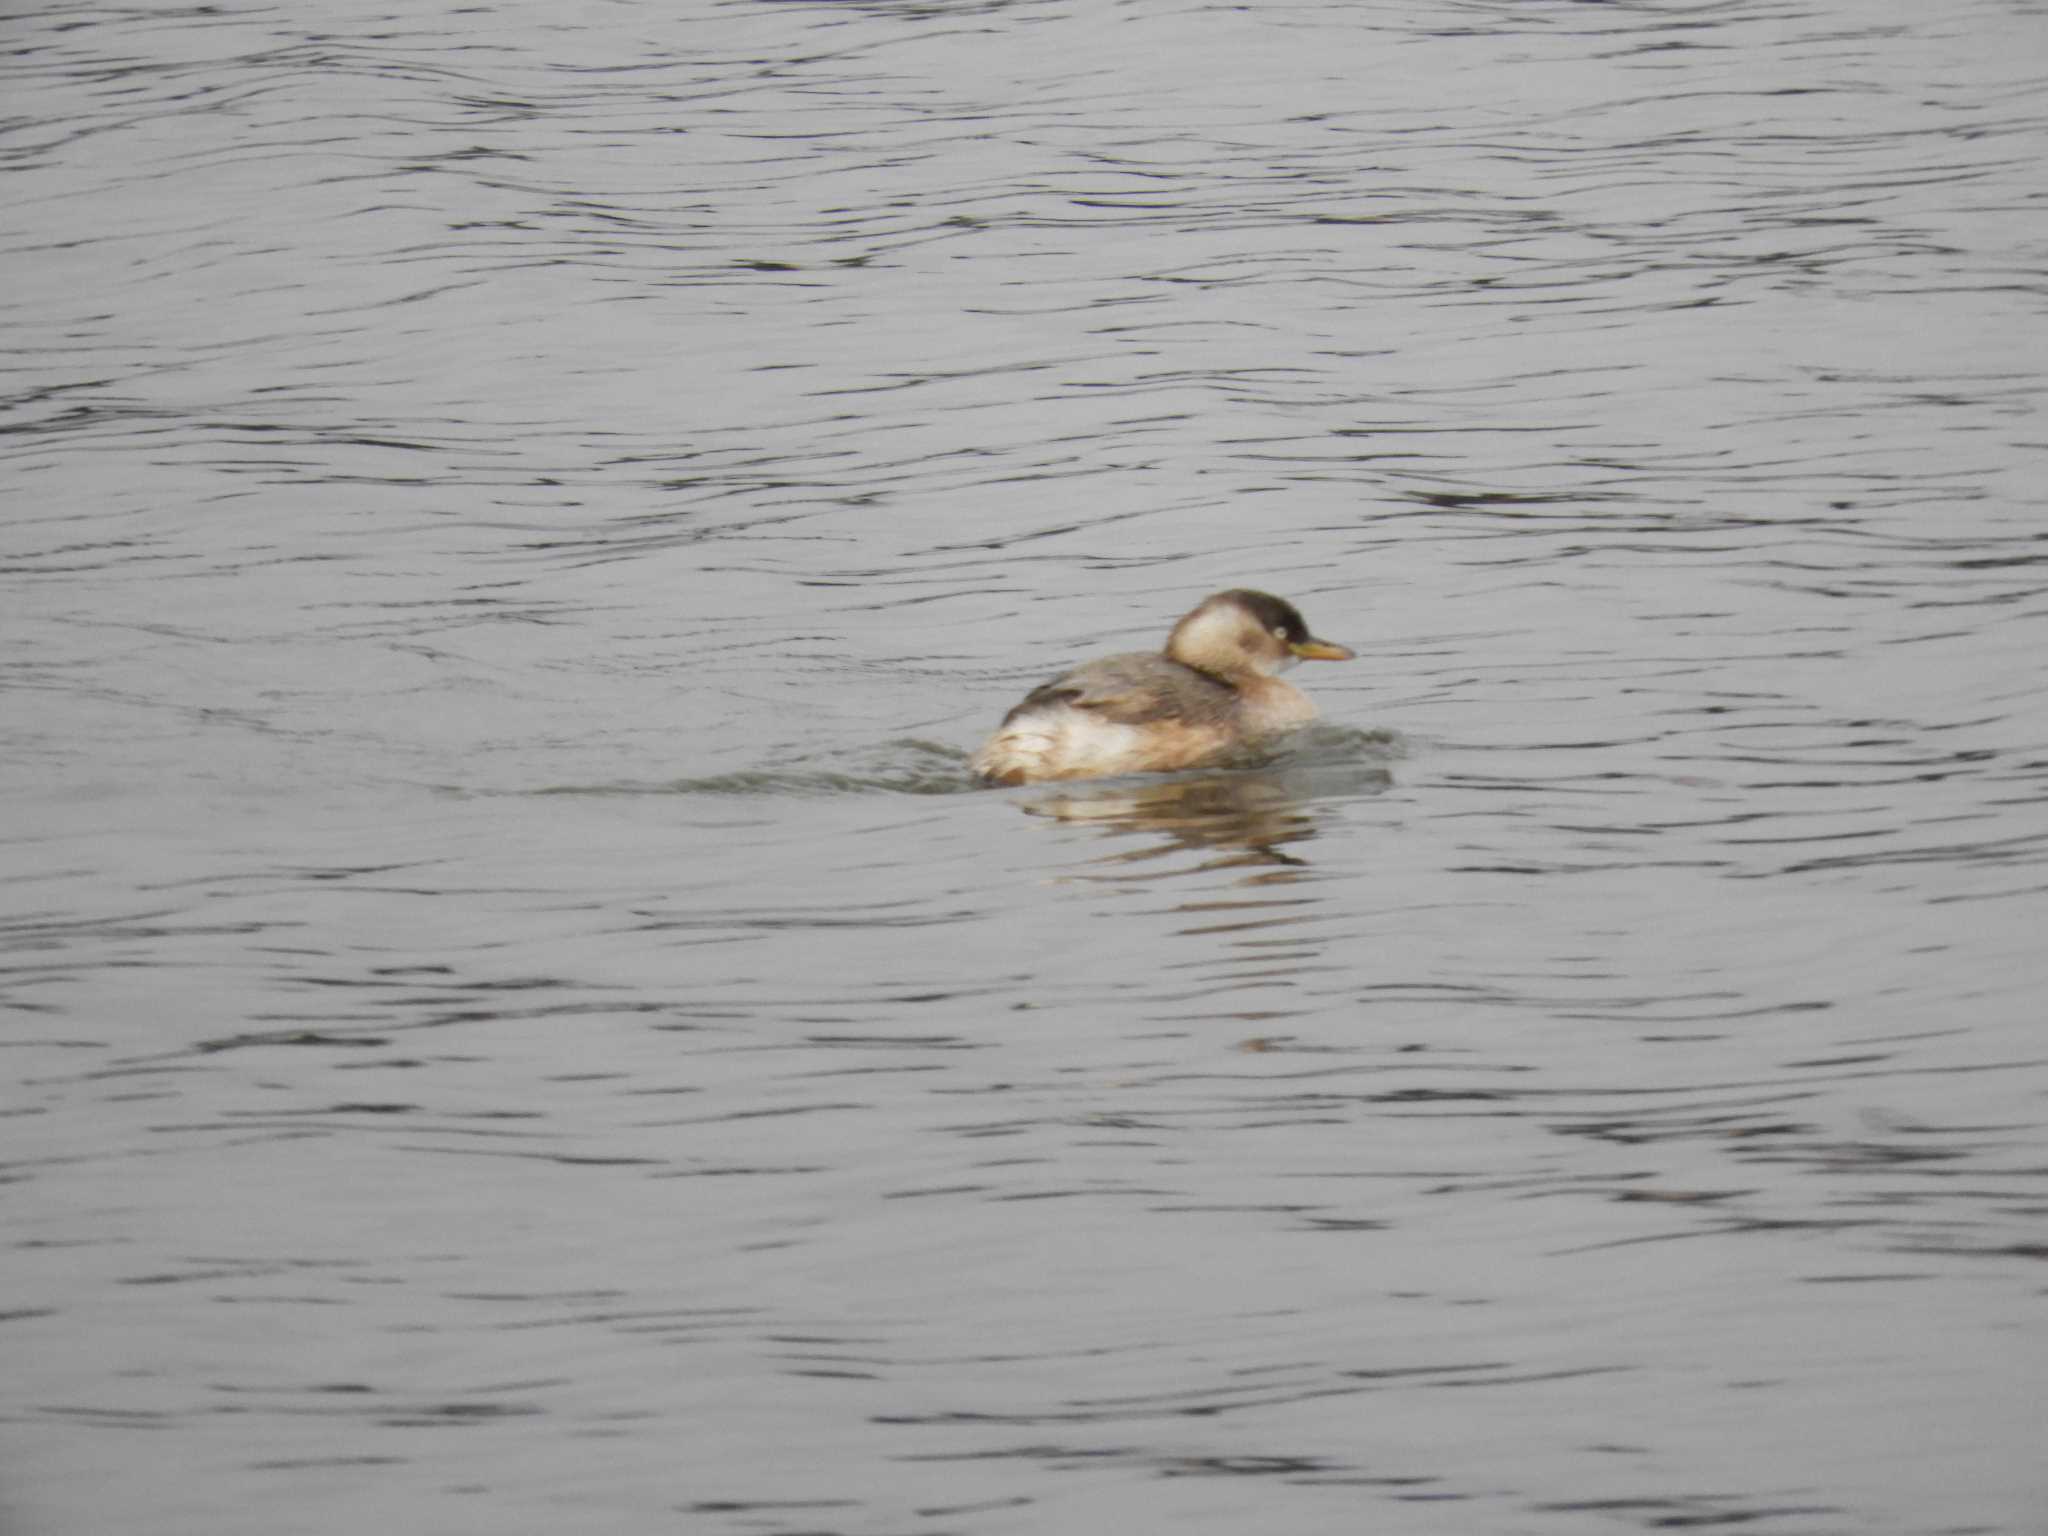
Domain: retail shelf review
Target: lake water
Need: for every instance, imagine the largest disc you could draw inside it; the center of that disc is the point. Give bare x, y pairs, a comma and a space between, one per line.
515, 515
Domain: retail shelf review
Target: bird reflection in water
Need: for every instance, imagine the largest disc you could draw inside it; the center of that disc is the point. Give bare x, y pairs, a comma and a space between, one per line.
1261, 813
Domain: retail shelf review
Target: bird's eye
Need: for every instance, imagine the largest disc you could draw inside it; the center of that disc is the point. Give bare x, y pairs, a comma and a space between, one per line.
1279, 632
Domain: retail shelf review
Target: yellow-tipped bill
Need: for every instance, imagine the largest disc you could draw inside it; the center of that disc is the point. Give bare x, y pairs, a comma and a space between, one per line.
1321, 650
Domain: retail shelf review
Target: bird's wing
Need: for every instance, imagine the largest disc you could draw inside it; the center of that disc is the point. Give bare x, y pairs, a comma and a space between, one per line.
1132, 690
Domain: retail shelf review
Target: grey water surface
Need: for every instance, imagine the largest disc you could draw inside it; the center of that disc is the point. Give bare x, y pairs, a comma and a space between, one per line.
515, 514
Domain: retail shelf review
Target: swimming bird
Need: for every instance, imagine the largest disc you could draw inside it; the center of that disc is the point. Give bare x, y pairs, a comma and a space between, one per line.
1213, 690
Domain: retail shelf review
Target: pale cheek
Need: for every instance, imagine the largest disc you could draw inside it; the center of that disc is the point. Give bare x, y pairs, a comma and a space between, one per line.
1256, 644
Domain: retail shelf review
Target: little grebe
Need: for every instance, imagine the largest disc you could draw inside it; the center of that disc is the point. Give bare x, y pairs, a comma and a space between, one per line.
1213, 689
